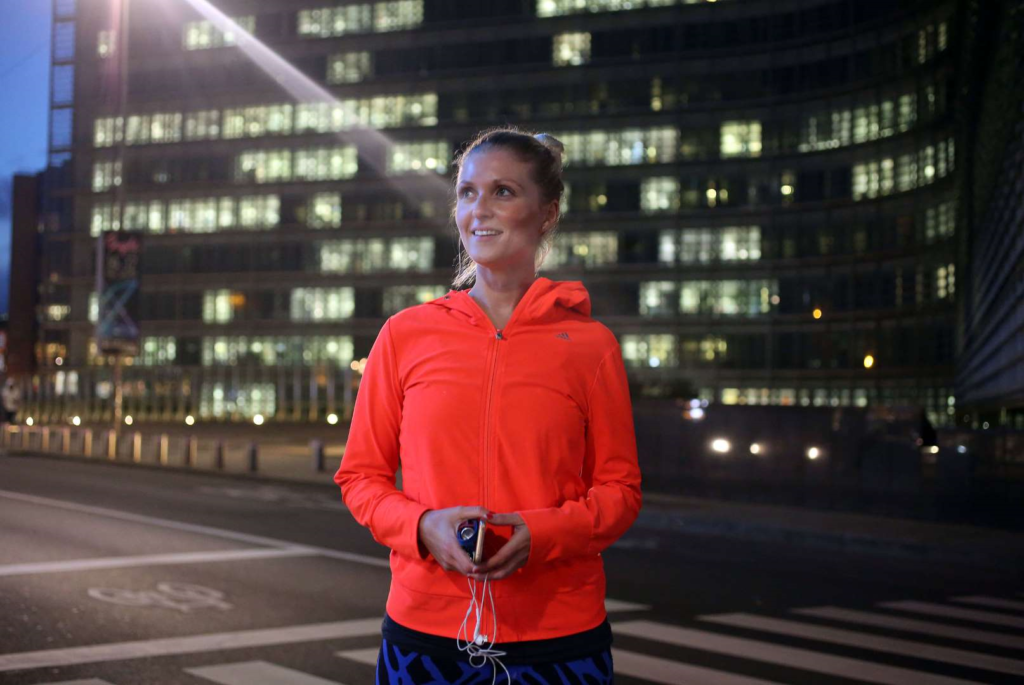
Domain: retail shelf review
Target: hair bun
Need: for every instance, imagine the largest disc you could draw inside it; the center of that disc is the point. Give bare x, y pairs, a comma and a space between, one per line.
551, 143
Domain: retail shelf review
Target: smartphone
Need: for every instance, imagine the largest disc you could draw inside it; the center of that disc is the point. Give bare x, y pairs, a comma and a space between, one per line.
471, 538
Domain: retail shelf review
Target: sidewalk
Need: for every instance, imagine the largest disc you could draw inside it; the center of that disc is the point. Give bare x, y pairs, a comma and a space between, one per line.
293, 462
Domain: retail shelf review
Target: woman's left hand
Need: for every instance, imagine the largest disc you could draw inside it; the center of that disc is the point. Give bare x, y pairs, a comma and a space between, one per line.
512, 555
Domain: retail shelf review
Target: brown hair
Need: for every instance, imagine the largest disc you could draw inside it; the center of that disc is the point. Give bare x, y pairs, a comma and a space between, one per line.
544, 154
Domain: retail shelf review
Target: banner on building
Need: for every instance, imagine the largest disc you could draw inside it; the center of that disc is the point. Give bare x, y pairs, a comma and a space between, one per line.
118, 261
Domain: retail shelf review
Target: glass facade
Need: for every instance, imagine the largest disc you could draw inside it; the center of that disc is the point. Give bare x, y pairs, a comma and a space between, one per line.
737, 198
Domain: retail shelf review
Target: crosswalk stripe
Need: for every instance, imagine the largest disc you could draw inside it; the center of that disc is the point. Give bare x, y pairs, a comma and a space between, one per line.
152, 560
914, 626
193, 644
88, 681
613, 605
807, 660
256, 673
650, 668
920, 650
657, 670
366, 656
955, 612
994, 602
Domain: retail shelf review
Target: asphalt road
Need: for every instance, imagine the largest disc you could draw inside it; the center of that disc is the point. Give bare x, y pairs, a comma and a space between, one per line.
118, 575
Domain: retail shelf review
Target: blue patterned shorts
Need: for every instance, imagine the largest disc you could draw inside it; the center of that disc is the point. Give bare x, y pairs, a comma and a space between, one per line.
397, 666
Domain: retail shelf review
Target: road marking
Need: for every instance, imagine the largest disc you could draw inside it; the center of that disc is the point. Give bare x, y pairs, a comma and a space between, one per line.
914, 626
90, 681
192, 528
994, 602
612, 605
657, 670
256, 673
917, 650
151, 560
955, 612
650, 668
791, 657
183, 597
213, 642
366, 656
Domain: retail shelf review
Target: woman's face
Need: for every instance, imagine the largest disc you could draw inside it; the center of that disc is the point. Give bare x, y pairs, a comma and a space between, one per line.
495, 190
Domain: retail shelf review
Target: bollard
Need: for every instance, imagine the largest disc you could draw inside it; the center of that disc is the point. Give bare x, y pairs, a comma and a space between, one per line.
191, 451
137, 447
87, 442
164, 449
218, 455
66, 440
111, 445
253, 457
316, 448
44, 441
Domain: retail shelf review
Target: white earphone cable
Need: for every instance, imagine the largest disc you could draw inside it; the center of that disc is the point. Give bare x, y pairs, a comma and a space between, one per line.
475, 647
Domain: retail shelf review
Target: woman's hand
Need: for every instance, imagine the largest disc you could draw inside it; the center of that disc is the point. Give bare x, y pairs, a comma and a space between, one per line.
437, 530
511, 556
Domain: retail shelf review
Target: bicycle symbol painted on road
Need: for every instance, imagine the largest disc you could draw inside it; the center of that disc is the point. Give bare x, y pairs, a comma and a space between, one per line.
178, 596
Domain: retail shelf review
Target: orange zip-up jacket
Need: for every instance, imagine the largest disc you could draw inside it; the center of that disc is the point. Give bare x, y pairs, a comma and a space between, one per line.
534, 418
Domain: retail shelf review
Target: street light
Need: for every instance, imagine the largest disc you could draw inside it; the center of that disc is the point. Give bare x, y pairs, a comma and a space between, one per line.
721, 445
189, 420
258, 419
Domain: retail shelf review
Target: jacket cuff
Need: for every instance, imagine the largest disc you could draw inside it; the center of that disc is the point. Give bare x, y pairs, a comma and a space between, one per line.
407, 540
555, 533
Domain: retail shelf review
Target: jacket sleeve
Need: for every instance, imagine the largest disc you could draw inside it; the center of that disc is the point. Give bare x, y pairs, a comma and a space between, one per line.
611, 473
367, 472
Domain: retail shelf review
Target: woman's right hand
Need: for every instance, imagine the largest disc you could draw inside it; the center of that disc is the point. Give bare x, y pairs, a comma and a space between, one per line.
437, 530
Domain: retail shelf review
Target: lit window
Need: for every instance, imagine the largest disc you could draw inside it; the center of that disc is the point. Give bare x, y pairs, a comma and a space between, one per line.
57, 312
202, 35
419, 156
411, 254
583, 249
157, 351
322, 304
327, 22
741, 139
324, 164
727, 297
618, 148
105, 175
399, 297
142, 215
219, 306
202, 125
659, 298
254, 122
570, 49
277, 350
106, 216
153, 128
107, 131
94, 307
660, 194
264, 166
259, 211
324, 210
704, 245
370, 255
652, 350
349, 67
244, 399
106, 44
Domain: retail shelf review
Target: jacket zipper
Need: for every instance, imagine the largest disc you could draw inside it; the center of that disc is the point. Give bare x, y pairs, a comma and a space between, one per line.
487, 416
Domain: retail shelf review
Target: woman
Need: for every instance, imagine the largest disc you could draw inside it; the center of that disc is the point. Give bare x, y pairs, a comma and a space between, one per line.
508, 403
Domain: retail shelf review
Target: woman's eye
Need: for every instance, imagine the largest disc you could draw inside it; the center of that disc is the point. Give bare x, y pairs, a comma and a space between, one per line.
505, 188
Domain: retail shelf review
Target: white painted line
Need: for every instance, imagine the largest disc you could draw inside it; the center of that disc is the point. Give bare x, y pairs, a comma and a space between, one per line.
915, 626
650, 668
955, 612
994, 602
657, 670
613, 605
90, 681
804, 659
361, 656
151, 560
878, 643
256, 673
192, 528
213, 642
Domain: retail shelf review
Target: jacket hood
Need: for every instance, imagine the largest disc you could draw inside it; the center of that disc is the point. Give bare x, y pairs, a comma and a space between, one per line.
545, 300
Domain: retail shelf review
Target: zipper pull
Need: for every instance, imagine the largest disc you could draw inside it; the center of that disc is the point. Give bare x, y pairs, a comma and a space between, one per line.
498, 335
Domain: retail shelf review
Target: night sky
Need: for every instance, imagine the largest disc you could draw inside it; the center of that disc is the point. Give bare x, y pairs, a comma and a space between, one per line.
24, 83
